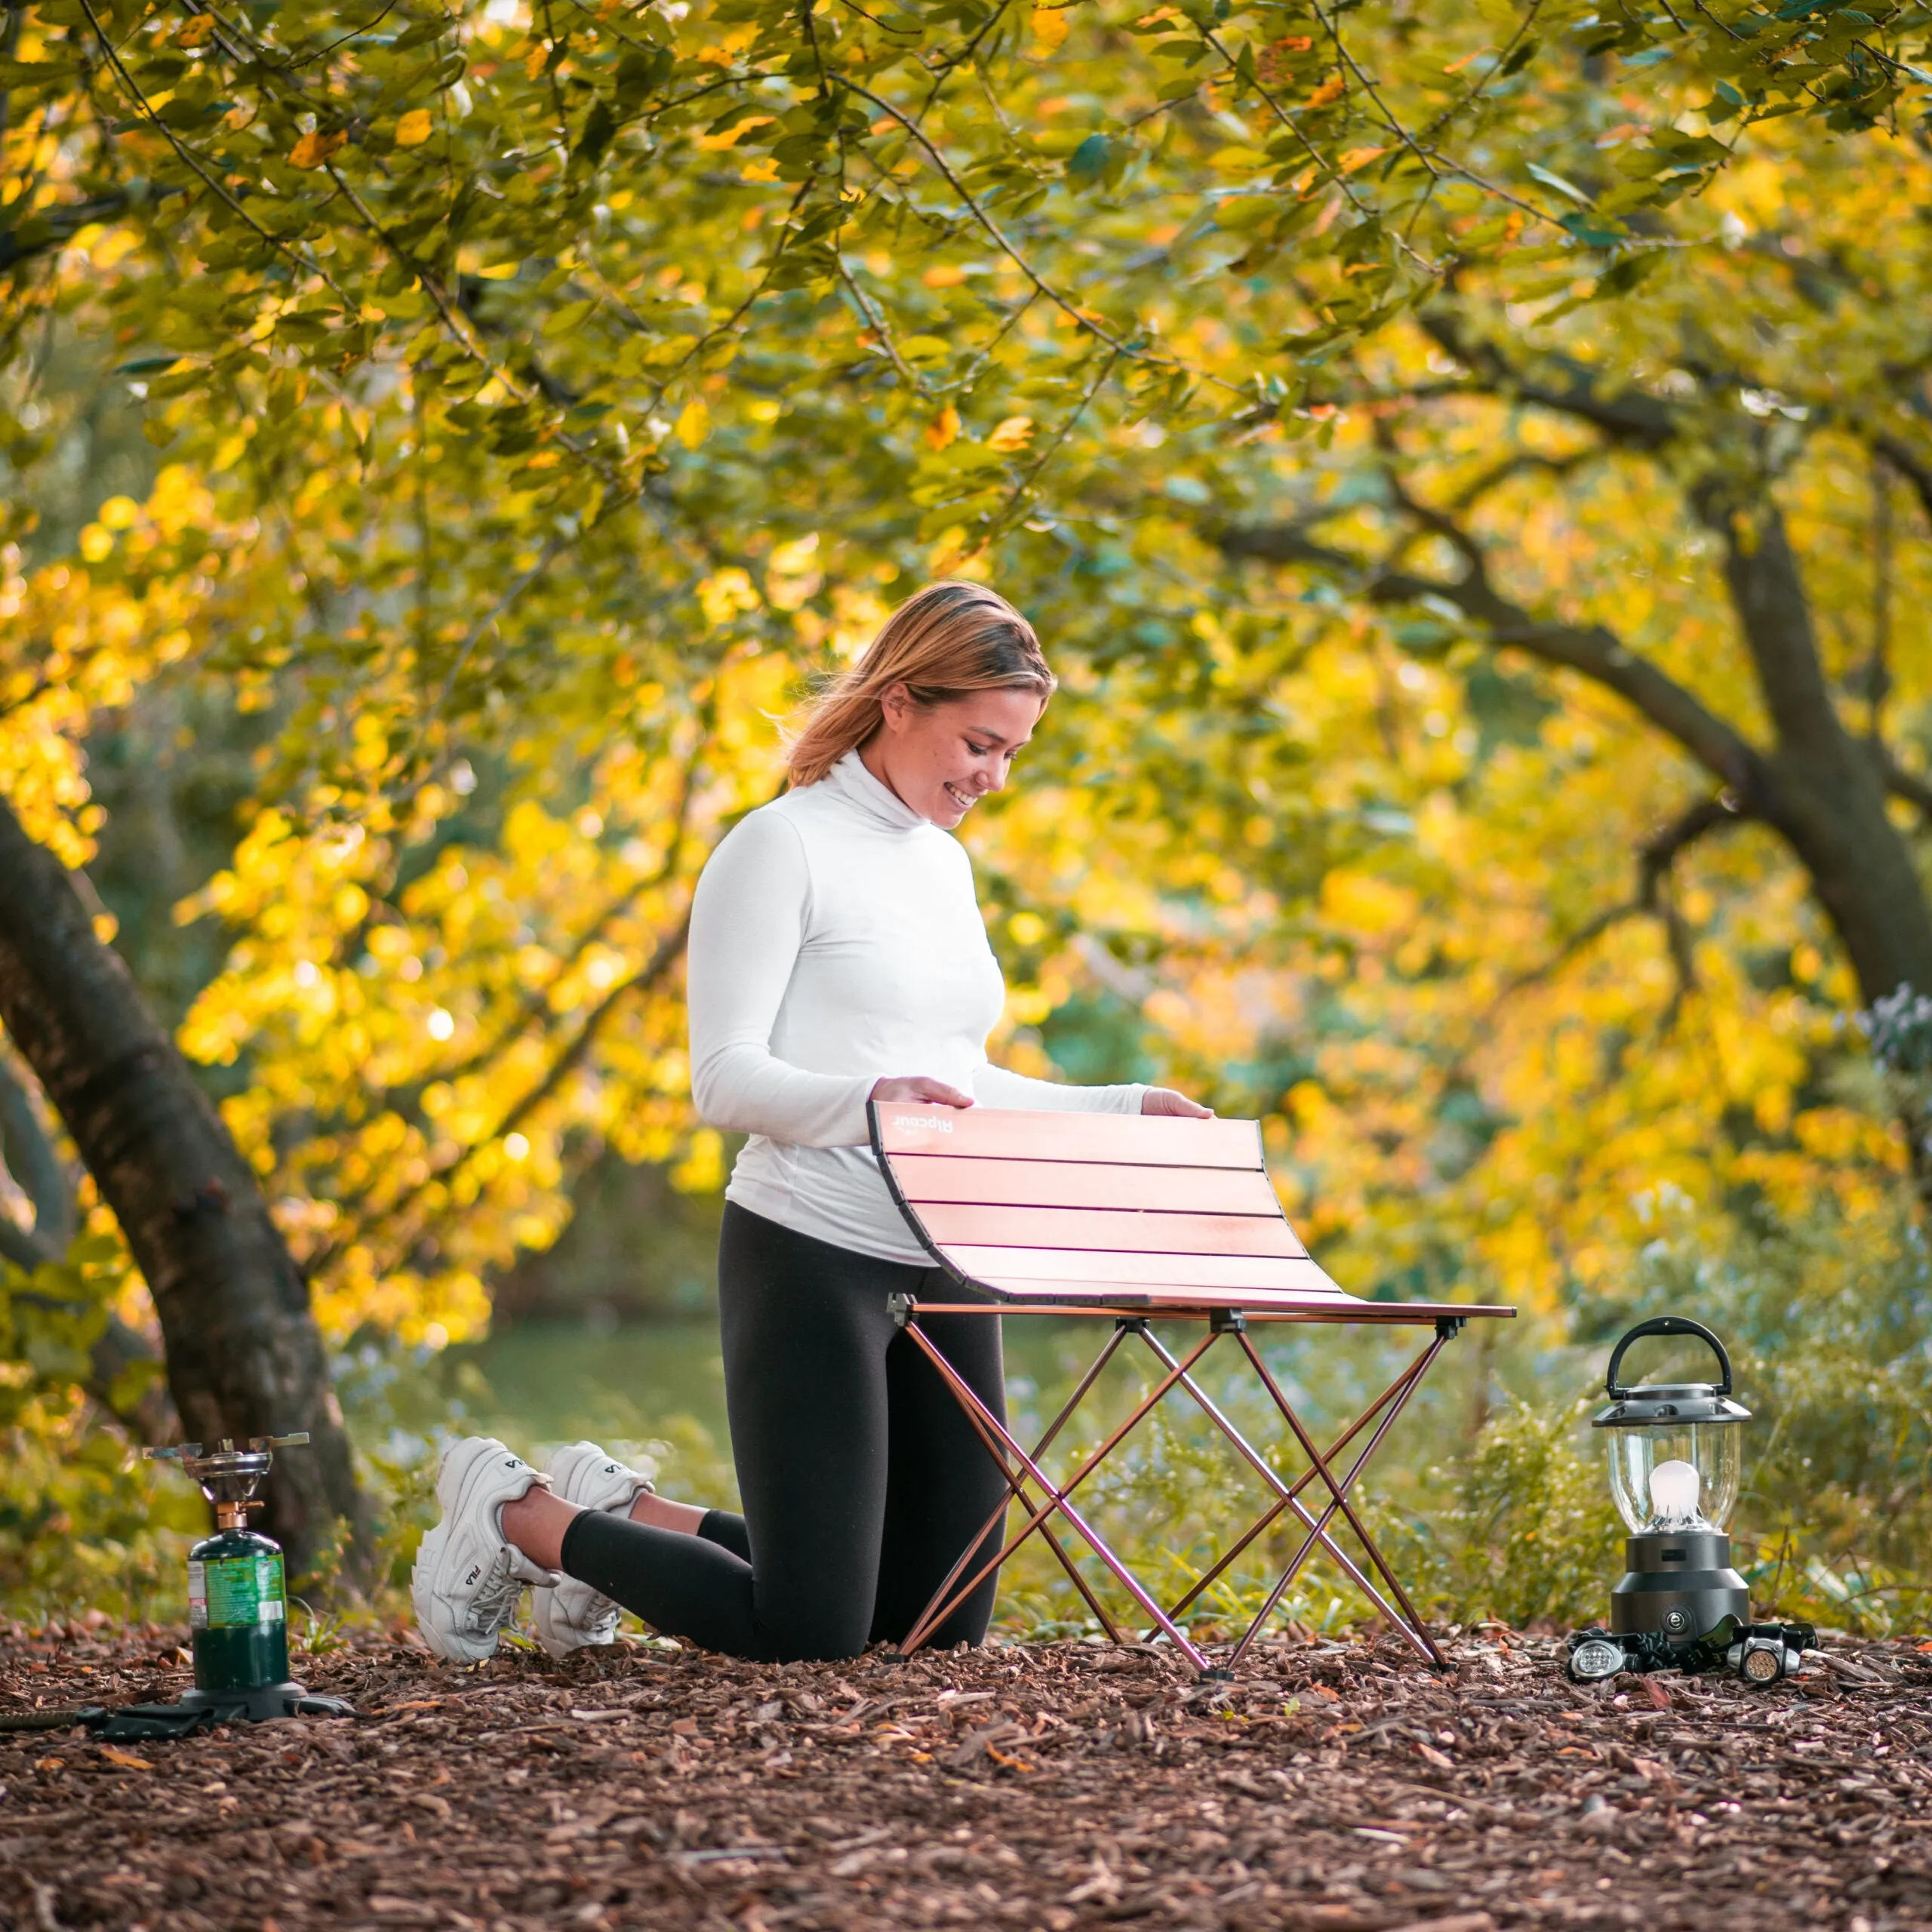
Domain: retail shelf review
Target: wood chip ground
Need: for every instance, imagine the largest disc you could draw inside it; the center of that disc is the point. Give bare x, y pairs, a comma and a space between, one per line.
1333, 1788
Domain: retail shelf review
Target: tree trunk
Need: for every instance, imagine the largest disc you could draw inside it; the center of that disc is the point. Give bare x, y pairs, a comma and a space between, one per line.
1825, 792
1821, 788
245, 1356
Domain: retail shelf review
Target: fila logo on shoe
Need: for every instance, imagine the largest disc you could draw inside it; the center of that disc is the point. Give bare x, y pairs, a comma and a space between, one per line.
470, 1579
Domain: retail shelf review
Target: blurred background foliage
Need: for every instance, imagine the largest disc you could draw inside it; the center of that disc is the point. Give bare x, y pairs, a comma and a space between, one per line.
438, 448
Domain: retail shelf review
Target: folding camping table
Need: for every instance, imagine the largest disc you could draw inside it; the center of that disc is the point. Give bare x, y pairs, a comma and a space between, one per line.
1135, 1218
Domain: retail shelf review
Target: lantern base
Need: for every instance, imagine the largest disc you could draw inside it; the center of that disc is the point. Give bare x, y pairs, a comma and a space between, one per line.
1677, 1585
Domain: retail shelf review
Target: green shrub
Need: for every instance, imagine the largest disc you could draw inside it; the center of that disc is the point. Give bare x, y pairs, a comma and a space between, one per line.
1522, 1532
1829, 1322
1488, 1505
1829, 1325
84, 1524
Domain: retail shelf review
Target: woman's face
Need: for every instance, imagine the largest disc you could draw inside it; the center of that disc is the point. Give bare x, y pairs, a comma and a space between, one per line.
943, 759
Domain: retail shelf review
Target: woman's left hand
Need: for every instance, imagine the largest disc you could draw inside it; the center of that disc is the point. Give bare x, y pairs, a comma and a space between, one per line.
1165, 1101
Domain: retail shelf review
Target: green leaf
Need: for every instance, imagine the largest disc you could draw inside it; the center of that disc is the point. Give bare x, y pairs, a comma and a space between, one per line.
1551, 179
1519, 57
1239, 214
1090, 158
562, 320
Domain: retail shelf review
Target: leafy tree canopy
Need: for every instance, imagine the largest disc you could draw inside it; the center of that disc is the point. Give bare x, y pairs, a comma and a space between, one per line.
539, 393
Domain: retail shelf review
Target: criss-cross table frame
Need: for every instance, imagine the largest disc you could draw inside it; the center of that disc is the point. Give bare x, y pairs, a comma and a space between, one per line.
1133, 1219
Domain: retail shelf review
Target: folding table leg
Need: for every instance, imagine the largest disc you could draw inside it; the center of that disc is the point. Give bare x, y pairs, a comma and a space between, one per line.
1059, 1497
1267, 1519
1339, 1492
1289, 1498
940, 1607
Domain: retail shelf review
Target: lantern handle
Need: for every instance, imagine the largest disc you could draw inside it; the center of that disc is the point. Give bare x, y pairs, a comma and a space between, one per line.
1665, 1324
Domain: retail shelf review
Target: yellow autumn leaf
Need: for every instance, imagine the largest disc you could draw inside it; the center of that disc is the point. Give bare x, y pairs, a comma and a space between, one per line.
1049, 27
712, 143
943, 430
195, 31
1015, 433
315, 148
694, 421
126, 1760
414, 129
1331, 89
1357, 158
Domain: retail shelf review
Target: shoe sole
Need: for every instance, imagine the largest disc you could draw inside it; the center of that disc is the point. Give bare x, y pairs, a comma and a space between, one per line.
445, 1644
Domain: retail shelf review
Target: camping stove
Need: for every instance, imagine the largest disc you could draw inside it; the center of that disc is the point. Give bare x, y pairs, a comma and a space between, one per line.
238, 1599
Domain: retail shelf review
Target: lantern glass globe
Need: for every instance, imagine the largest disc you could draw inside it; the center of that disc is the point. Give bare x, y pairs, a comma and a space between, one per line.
1676, 1476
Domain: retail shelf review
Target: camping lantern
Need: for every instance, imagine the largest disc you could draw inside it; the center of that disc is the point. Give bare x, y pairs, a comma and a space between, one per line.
237, 1603
1676, 1460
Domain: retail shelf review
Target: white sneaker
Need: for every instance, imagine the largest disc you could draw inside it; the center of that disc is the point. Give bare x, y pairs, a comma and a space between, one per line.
467, 1579
572, 1614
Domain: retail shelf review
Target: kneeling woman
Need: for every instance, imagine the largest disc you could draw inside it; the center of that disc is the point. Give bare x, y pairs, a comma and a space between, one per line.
837, 955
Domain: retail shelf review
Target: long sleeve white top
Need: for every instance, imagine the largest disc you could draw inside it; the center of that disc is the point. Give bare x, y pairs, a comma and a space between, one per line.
836, 940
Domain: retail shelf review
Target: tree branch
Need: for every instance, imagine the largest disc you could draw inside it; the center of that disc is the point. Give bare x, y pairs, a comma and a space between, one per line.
37, 1170
43, 1177
1628, 417
1655, 857
1903, 784
1593, 651
1774, 615
668, 951
25, 1251
54, 227
1874, 680
1910, 465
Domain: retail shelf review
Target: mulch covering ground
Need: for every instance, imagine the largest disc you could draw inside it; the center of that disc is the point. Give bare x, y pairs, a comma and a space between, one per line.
1332, 1787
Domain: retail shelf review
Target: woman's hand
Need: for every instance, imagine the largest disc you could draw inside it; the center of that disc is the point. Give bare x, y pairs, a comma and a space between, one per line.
922, 1090
1165, 1101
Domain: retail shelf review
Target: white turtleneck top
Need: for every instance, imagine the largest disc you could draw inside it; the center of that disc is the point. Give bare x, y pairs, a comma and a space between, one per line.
835, 941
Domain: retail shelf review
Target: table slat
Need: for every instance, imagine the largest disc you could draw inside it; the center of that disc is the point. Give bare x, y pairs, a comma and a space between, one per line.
1177, 1270
953, 1224
1260, 1302
1169, 1215
924, 1177
1145, 1141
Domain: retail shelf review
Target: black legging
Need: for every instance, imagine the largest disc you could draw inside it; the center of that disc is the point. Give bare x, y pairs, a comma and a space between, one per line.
862, 1480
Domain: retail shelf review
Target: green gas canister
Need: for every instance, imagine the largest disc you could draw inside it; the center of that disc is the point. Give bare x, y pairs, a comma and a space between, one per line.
238, 1599
237, 1612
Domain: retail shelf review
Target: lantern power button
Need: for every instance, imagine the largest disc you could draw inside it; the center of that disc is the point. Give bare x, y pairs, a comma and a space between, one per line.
1677, 1622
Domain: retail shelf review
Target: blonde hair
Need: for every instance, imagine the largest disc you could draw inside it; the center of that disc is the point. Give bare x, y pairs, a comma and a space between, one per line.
945, 641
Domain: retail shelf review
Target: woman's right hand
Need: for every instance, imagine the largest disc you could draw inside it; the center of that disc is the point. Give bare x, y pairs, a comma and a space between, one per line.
921, 1089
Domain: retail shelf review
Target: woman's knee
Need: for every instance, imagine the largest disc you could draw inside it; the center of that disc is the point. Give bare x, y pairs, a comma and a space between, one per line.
809, 1633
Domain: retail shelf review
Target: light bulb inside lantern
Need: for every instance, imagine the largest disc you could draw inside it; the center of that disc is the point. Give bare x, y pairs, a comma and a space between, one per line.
1674, 1492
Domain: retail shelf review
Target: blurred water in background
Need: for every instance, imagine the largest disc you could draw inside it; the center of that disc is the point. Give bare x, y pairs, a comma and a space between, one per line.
653, 1393
541, 1382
